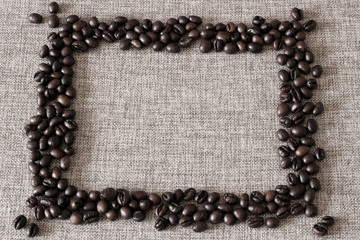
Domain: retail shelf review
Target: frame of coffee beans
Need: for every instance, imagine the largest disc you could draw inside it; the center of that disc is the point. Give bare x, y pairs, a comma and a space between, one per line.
51, 131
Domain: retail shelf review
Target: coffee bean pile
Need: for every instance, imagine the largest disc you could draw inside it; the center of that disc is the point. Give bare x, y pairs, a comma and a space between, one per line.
51, 129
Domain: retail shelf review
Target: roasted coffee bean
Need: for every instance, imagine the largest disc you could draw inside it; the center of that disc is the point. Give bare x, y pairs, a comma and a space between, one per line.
161, 224
173, 219
314, 183
31, 202
303, 177
161, 210
19, 222
154, 198
327, 221
213, 197
271, 207
201, 215
310, 25
90, 216
240, 214
296, 14
311, 125
312, 168
282, 189
309, 195
320, 154
301, 151
201, 197
210, 207
257, 197
229, 219
35, 18
297, 191
76, 218
270, 196
200, 226
53, 7
189, 210
186, 221
175, 208
311, 210
254, 47
286, 122
255, 222
53, 21
320, 229
231, 199
283, 151
33, 230
225, 207
308, 141
272, 222
216, 217
283, 212
296, 209
138, 216
257, 209
282, 135
282, 200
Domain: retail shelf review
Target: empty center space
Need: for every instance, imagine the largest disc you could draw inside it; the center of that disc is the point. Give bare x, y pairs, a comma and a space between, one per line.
160, 121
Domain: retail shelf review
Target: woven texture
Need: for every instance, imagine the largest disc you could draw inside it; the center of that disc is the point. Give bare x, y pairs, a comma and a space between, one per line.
158, 121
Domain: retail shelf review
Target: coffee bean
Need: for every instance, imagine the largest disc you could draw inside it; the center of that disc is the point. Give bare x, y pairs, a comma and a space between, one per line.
244, 200
257, 209
296, 14
327, 221
255, 47
311, 210
296, 209
230, 48
173, 48
297, 191
201, 215
174, 208
189, 210
255, 222
229, 219
161, 210
161, 224
33, 230
201, 197
200, 226
310, 25
271, 207
53, 7
272, 222
173, 219
216, 217
35, 18
138, 216
19, 222
53, 21
309, 195
186, 221
270, 195
231, 199
283, 212
225, 207
257, 197
240, 214
154, 198
320, 229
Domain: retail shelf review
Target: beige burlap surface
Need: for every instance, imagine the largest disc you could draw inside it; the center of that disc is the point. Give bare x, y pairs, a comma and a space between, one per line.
159, 121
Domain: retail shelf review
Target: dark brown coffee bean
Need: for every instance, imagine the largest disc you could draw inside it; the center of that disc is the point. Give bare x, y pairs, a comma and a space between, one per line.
200, 226
161, 224
53, 21
254, 47
201, 197
244, 200
189, 210
311, 210
161, 210
216, 217
272, 222
320, 229
201, 215
282, 135
186, 221
213, 197
76, 218
257, 197
19, 222
296, 14
231, 199
257, 209
154, 198
173, 219
296, 209
35, 18
224, 207
91, 216
327, 221
173, 48
33, 230
240, 214
310, 25
255, 222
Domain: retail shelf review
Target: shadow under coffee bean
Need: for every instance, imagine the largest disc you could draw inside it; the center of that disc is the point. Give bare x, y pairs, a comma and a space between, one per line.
51, 130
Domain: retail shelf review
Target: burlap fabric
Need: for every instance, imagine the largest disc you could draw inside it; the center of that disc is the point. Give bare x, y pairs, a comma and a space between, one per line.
159, 121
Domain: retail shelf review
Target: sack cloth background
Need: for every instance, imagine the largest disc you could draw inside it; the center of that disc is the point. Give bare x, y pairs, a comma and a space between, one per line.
156, 121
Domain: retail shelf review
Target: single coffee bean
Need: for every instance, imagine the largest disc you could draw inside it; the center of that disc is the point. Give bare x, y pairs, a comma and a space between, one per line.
270, 195
311, 210
310, 25
186, 221
320, 154
76, 218
35, 18
90, 216
240, 214
189, 209
231, 199
309, 195
201, 215
225, 207
173, 48
272, 222
316, 71
161, 210
255, 47
173, 219
229, 219
282, 134
39, 212
328, 221
200, 197
161, 224
216, 217
255, 222
292, 179
19, 222
257, 197
296, 209
53, 7
31, 202
282, 189
53, 21
244, 200
296, 14
154, 198
257, 209
138, 216
33, 230
271, 207
283, 212
320, 229
200, 226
